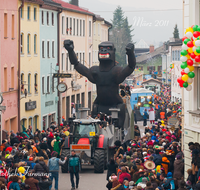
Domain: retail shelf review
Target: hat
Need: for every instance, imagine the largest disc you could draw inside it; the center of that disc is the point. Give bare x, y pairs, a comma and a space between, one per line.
52, 142
173, 136
169, 174
128, 157
44, 139
61, 124
150, 165
51, 135
144, 180
178, 156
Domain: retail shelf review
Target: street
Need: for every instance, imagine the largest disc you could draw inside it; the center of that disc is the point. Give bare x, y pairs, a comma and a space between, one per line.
88, 179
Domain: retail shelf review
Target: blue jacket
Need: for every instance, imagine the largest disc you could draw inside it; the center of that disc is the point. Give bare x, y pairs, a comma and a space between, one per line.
157, 159
145, 116
53, 164
14, 186
169, 183
74, 164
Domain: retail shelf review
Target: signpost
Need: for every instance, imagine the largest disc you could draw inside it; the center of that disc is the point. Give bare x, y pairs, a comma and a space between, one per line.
62, 75
173, 121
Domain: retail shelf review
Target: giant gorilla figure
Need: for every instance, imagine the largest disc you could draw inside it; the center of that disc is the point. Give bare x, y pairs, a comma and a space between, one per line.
107, 77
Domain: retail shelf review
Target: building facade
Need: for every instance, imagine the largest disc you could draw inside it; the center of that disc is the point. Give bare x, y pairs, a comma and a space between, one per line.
76, 25
176, 91
191, 100
8, 64
48, 61
30, 99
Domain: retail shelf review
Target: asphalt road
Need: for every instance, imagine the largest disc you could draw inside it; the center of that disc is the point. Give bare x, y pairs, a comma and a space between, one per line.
88, 179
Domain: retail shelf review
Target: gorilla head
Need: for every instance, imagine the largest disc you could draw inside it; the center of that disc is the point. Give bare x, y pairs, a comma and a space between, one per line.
106, 56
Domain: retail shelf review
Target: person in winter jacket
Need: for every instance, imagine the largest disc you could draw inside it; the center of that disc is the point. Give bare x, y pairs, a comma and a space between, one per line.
41, 167
112, 168
157, 158
32, 182
182, 185
14, 185
53, 164
178, 168
123, 175
45, 183
197, 186
165, 163
169, 183
57, 145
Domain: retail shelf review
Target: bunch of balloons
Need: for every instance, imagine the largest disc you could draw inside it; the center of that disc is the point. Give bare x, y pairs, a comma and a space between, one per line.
172, 66
190, 54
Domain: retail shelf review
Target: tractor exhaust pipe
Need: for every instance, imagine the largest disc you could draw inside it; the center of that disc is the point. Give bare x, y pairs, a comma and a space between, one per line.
83, 112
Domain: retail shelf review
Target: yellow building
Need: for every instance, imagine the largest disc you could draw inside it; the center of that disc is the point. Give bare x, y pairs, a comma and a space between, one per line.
100, 34
30, 65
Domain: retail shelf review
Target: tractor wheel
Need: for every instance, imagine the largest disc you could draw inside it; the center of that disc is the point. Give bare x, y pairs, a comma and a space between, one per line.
65, 153
99, 161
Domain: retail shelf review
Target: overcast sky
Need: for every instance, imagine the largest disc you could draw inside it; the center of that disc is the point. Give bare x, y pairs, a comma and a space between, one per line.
153, 26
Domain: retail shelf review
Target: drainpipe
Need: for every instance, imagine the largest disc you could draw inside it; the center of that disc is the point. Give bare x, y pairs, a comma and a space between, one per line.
59, 98
19, 54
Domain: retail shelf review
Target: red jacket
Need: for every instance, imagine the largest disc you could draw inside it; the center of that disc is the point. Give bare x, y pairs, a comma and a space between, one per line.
123, 175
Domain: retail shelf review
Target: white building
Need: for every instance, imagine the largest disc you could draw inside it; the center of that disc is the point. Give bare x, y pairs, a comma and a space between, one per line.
191, 99
175, 49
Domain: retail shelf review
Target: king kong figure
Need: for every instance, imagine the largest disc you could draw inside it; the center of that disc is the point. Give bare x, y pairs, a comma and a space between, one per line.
107, 77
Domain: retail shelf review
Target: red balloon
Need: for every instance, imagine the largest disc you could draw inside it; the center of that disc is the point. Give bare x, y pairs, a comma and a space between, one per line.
190, 44
192, 26
184, 37
190, 62
197, 58
196, 34
181, 85
179, 80
192, 55
183, 72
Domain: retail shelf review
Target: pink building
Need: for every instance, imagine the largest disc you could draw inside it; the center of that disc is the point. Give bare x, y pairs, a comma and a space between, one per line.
8, 64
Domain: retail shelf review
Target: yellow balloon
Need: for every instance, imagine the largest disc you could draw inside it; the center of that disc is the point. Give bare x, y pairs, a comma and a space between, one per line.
162, 121
66, 133
195, 52
185, 77
190, 50
172, 65
194, 42
191, 68
189, 29
163, 125
189, 83
188, 56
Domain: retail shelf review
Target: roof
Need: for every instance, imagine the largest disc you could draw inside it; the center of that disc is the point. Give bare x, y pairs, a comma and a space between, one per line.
141, 90
86, 121
156, 52
151, 79
141, 44
40, 2
52, 3
176, 43
74, 8
99, 18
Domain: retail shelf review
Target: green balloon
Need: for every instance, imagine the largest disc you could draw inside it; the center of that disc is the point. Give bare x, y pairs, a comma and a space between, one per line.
185, 84
198, 49
198, 38
184, 65
195, 28
198, 29
191, 74
186, 41
184, 52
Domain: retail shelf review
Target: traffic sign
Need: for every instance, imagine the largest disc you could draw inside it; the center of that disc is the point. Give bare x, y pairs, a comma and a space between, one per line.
2, 108
62, 75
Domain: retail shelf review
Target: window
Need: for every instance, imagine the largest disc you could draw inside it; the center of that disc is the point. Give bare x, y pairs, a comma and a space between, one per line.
89, 59
22, 83
62, 61
90, 28
74, 26
22, 12
35, 13
28, 13
83, 27
12, 77
94, 29
67, 22
42, 17
70, 29
48, 55
42, 85
80, 58
36, 83
80, 27
5, 79
28, 43
35, 44
29, 83
77, 28
98, 29
151, 68
47, 18
13, 26
52, 18
83, 99
48, 81
5, 25
67, 62
53, 90
159, 68
83, 58
22, 43
172, 55
43, 56
63, 32
53, 55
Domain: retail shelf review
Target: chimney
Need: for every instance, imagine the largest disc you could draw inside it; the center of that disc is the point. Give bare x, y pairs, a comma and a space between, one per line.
151, 48
74, 2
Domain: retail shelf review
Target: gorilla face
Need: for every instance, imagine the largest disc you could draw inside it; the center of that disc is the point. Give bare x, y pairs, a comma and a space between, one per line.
107, 52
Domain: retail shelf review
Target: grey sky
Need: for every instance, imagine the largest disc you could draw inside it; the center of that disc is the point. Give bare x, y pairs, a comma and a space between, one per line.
160, 23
